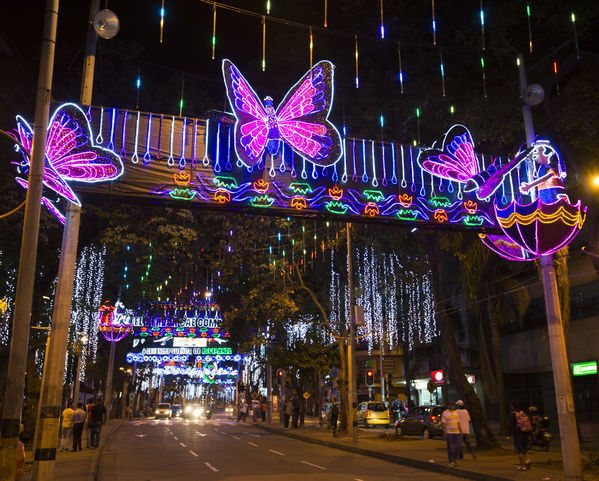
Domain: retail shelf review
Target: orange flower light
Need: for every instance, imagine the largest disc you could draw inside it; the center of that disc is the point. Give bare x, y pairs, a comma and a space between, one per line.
261, 186
470, 206
298, 202
371, 209
222, 196
440, 216
405, 200
182, 178
335, 192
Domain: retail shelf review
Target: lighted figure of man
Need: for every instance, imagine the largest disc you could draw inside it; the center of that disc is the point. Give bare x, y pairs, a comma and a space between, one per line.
550, 187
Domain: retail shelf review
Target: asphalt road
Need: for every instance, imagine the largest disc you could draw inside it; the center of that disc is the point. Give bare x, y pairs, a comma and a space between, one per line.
221, 449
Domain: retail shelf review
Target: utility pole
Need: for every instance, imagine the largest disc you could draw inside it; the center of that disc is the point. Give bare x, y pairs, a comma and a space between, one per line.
351, 371
52, 381
557, 343
108, 390
269, 393
17, 361
382, 346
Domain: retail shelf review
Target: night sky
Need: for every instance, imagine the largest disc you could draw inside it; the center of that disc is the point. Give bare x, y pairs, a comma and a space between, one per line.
185, 56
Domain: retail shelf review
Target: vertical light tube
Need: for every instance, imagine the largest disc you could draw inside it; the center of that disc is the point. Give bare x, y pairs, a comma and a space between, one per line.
357, 76
482, 64
263, 44
482, 25
161, 21
326, 11
529, 27
213, 29
442, 73
382, 23
311, 47
434, 23
573, 17
400, 68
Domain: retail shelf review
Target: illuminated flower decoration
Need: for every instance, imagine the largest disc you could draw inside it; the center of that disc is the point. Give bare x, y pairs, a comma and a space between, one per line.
471, 206
222, 196
71, 155
182, 178
113, 326
335, 192
371, 209
536, 229
261, 186
440, 216
298, 202
405, 200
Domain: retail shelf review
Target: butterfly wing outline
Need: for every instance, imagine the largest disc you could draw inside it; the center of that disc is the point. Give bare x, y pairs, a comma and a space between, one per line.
251, 127
456, 160
302, 116
70, 154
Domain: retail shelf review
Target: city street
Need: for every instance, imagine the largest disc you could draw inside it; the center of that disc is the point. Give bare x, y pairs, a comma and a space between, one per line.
221, 449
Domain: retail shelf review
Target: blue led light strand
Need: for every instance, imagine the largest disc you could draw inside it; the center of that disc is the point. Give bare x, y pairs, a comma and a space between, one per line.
134, 157
355, 174
228, 165
147, 155
364, 172
171, 160
282, 164
400, 75
314, 172
304, 174
404, 183
205, 160
194, 158
99, 138
434, 23
394, 175
442, 73
482, 25
384, 181
123, 152
413, 186
272, 171
158, 148
217, 153
182, 159
344, 176
112, 126
375, 182
382, 23
293, 171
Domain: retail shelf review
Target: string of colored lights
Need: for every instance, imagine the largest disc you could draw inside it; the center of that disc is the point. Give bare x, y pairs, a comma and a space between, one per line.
213, 30
400, 74
7, 291
529, 26
161, 21
482, 25
356, 55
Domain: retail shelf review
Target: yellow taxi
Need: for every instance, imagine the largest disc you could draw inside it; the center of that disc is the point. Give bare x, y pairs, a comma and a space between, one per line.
373, 413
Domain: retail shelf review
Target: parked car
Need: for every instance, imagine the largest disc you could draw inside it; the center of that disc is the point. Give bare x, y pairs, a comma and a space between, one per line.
326, 413
163, 411
373, 414
422, 421
176, 410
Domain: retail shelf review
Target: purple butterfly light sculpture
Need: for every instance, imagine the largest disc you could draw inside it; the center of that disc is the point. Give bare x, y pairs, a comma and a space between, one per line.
300, 120
70, 155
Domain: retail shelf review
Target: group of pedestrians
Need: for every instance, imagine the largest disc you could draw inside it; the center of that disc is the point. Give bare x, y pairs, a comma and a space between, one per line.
74, 421
257, 409
456, 428
291, 410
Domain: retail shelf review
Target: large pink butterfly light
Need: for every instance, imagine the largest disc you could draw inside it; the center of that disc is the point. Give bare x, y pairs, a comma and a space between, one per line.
70, 155
300, 120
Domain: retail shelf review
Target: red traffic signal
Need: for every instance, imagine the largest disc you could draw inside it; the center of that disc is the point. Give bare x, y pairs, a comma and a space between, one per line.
370, 377
280, 375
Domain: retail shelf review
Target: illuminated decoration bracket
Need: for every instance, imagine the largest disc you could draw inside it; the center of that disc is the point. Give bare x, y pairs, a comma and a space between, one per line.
71, 155
113, 326
540, 221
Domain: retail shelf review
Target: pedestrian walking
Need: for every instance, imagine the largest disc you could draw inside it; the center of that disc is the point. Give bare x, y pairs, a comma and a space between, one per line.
464, 417
66, 428
295, 413
98, 417
519, 428
263, 408
88, 422
334, 417
243, 411
256, 410
451, 429
79, 416
287, 411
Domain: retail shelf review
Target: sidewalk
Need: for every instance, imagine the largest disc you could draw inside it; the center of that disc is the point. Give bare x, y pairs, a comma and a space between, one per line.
78, 466
495, 465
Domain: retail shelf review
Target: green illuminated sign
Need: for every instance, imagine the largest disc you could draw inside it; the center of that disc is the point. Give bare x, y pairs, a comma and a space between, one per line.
217, 350
584, 368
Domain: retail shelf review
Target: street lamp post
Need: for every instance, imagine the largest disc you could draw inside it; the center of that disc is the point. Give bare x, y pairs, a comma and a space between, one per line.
351, 374
79, 346
557, 344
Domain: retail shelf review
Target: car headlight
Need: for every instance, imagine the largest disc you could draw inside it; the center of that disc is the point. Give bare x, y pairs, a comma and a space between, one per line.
197, 412
188, 409
156, 412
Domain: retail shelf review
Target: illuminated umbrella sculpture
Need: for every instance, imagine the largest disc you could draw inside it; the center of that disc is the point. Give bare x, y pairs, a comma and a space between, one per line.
114, 328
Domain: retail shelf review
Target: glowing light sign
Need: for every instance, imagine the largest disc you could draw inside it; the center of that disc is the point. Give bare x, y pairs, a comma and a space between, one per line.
584, 368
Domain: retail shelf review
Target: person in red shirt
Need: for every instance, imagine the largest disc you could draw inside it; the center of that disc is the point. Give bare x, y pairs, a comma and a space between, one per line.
88, 426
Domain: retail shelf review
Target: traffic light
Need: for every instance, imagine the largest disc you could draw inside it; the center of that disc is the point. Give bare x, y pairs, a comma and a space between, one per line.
280, 376
369, 377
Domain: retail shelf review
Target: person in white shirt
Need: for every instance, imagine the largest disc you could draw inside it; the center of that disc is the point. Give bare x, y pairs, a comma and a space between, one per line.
451, 429
464, 417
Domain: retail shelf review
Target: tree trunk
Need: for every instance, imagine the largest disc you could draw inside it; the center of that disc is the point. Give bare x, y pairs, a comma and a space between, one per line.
498, 362
342, 385
484, 436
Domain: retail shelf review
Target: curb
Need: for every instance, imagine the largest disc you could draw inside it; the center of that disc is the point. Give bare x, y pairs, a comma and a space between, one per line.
92, 475
413, 463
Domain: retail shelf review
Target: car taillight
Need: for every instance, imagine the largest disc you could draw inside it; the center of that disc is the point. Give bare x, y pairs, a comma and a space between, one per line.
433, 418
368, 414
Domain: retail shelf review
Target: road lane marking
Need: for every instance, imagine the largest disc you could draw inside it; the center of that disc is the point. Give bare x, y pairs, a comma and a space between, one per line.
176, 438
211, 467
276, 452
253, 444
314, 465
255, 435
193, 454
182, 445
236, 437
